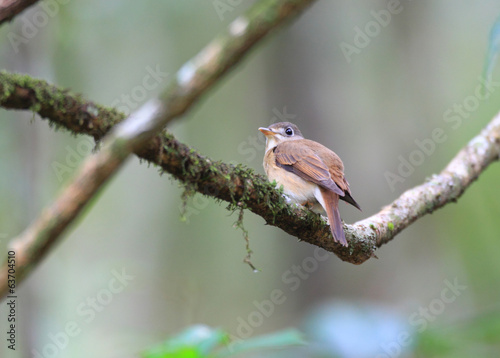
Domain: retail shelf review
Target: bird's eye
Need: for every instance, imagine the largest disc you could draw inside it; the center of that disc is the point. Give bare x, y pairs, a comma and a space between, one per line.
289, 131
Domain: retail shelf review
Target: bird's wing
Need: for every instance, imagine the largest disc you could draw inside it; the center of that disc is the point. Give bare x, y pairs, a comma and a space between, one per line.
336, 168
303, 162
348, 196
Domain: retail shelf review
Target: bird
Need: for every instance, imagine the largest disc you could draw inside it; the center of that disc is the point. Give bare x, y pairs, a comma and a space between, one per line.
311, 174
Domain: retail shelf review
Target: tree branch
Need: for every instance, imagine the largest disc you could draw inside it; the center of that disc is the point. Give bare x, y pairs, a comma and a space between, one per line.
438, 190
240, 186
192, 80
10, 8
243, 189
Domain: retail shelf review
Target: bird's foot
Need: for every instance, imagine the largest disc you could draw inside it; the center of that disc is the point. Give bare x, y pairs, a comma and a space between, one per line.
287, 199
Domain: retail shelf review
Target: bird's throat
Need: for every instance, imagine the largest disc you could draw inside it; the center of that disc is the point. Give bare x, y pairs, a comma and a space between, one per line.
271, 143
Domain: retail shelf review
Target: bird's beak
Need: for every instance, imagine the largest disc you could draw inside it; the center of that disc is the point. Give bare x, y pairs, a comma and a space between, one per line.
267, 131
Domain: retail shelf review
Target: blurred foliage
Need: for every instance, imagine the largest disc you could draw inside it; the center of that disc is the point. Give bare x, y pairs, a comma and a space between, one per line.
493, 50
204, 342
475, 337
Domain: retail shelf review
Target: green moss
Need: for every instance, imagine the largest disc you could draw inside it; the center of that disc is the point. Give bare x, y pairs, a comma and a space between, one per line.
6, 86
188, 192
390, 226
36, 107
239, 224
55, 103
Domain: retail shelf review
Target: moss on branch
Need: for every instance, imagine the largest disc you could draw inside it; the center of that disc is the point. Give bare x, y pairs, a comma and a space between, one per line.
242, 188
62, 108
237, 185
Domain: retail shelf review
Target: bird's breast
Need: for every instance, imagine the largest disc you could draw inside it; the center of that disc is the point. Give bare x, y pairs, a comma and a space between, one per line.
297, 189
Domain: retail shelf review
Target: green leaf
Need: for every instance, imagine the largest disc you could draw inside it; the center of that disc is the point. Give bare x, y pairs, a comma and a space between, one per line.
283, 339
197, 341
493, 51
204, 342
185, 352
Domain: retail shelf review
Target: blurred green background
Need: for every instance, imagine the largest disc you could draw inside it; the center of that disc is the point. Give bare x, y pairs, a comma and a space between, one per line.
131, 273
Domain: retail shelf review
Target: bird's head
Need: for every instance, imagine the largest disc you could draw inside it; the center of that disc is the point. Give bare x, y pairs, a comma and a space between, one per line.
279, 132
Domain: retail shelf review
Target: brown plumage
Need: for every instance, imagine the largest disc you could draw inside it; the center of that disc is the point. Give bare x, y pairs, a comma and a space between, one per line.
309, 172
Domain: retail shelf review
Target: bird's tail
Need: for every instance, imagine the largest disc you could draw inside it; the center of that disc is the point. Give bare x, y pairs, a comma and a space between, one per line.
331, 201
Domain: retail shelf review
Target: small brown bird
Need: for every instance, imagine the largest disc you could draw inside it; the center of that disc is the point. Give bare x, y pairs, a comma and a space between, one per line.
309, 172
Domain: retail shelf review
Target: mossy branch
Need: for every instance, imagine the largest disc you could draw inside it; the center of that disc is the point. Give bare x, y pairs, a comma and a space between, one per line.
132, 134
240, 187
237, 185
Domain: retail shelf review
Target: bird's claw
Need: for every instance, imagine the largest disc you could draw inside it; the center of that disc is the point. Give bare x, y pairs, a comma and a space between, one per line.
287, 198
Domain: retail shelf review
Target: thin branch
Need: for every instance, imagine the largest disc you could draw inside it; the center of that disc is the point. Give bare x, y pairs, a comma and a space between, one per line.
132, 134
438, 190
10, 8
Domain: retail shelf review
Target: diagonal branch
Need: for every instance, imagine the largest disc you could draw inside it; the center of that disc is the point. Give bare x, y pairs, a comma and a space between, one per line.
132, 134
10, 8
